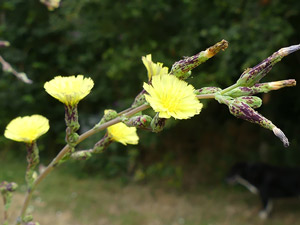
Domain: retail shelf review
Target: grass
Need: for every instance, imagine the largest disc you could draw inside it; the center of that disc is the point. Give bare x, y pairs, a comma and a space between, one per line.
65, 199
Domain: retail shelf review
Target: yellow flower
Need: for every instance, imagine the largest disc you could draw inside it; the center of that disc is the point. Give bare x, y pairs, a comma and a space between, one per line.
172, 97
27, 129
123, 134
69, 90
153, 69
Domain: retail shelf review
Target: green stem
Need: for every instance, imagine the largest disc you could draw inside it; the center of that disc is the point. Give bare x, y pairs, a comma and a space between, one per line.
229, 88
5, 216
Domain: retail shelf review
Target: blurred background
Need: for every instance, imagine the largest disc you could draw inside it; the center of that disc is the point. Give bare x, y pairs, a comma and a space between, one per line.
105, 40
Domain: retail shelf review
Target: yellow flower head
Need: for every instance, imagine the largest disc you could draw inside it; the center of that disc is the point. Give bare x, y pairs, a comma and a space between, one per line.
153, 69
123, 134
27, 129
172, 97
69, 90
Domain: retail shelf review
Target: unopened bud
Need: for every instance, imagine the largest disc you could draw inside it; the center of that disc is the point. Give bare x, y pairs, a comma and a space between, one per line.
102, 144
243, 111
260, 88
253, 101
139, 99
207, 90
82, 155
253, 75
109, 114
181, 68
142, 121
8, 186
281, 84
157, 124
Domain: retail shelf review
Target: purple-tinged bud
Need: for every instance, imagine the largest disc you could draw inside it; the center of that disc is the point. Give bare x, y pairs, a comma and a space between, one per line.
182, 68
4, 44
7, 187
207, 90
142, 121
82, 155
157, 124
253, 75
139, 99
281, 84
253, 101
102, 144
243, 111
260, 88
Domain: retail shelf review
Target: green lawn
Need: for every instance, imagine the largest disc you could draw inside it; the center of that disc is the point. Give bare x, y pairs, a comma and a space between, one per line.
65, 199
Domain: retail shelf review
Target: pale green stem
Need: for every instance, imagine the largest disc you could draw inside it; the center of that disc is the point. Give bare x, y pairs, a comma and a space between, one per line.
5, 216
206, 96
229, 88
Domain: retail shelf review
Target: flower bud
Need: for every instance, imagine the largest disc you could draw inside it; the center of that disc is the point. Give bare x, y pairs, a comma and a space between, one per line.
253, 101
157, 124
260, 88
102, 144
243, 111
253, 75
139, 99
8, 186
82, 155
109, 114
142, 121
182, 68
207, 90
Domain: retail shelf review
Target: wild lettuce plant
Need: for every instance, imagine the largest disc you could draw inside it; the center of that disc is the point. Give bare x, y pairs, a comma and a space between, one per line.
166, 92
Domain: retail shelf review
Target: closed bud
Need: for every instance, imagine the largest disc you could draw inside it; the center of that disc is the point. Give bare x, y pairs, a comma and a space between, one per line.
253, 101
102, 144
253, 75
260, 88
8, 186
243, 111
157, 124
142, 121
281, 84
207, 90
109, 114
82, 155
182, 68
139, 99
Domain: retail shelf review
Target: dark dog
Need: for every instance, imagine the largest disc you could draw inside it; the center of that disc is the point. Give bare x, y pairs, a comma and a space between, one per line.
267, 181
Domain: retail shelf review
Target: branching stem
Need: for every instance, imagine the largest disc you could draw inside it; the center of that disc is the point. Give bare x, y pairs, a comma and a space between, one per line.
128, 112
